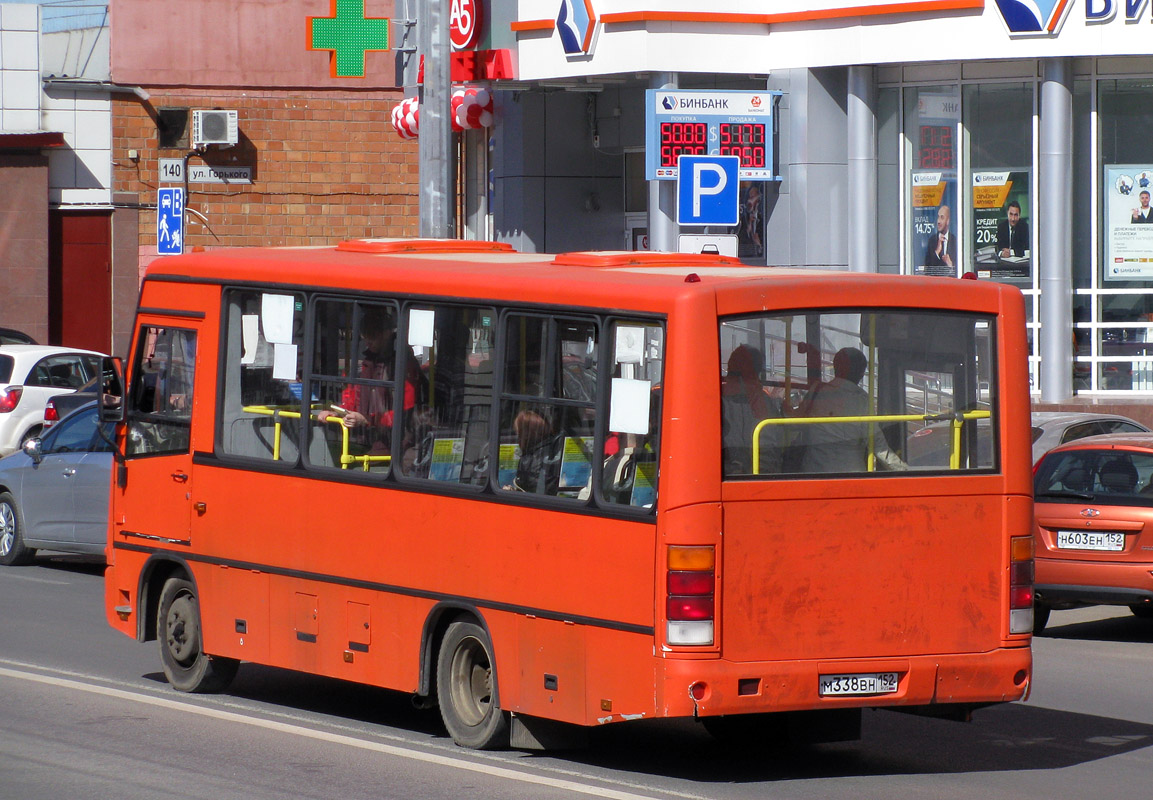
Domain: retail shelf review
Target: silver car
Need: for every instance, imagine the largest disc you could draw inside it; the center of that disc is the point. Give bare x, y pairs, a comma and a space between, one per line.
54, 493
1051, 428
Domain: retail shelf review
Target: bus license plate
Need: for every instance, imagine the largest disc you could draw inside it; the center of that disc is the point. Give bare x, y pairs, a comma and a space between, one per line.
1090, 540
863, 683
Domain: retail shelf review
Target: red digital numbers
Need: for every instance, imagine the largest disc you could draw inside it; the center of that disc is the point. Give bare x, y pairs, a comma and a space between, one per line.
744, 139
936, 151
683, 139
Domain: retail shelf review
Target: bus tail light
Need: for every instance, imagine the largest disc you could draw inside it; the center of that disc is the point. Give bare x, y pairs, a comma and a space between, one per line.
1021, 584
690, 604
10, 398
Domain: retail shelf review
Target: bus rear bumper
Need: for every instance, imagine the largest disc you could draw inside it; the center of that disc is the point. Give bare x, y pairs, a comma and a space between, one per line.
710, 688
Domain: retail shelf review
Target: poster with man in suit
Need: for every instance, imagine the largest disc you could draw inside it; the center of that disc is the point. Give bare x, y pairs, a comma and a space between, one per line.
1002, 244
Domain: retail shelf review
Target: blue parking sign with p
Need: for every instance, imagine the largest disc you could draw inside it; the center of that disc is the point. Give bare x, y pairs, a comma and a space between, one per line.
170, 221
708, 191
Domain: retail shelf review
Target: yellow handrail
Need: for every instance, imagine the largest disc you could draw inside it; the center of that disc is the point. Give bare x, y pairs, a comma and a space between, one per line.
346, 459
955, 421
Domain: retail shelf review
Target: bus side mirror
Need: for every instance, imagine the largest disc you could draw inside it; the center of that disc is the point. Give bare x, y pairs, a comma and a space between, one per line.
111, 403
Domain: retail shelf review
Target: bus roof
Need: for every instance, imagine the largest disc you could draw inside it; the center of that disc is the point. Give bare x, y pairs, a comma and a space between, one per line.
638, 280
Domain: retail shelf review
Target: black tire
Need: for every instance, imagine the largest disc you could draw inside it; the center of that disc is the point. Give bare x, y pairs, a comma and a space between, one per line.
1040, 617
1142, 610
466, 688
13, 551
187, 667
31, 433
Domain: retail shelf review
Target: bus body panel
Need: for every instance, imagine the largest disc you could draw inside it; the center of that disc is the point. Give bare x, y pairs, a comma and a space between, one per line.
853, 578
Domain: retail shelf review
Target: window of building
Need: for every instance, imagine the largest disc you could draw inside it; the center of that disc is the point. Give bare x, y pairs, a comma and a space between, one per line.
172, 127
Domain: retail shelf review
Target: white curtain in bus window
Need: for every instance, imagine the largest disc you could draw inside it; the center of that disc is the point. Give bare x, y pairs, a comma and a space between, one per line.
262, 402
857, 392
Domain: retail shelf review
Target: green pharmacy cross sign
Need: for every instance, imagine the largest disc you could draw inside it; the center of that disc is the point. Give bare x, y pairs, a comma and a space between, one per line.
349, 35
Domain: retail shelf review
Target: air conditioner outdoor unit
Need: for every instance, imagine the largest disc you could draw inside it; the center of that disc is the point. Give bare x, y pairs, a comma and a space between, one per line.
214, 127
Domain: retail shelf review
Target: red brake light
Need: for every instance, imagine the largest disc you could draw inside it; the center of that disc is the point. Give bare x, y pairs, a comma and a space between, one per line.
10, 398
50, 413
690, 608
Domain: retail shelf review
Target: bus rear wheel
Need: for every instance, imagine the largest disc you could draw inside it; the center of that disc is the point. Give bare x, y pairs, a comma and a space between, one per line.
186, 665
466, 687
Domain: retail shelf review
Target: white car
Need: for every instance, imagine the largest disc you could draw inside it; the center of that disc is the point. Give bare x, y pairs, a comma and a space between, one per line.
1051, 428
29, 375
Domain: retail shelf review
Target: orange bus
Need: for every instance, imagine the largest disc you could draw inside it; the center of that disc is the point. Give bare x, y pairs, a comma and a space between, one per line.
547, 493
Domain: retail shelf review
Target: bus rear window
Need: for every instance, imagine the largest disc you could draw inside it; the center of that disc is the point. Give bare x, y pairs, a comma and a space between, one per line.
853, 391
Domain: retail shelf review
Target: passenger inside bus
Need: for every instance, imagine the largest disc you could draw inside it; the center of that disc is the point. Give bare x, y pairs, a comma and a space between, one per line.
369, 408
538, 470
744, 403
843, 446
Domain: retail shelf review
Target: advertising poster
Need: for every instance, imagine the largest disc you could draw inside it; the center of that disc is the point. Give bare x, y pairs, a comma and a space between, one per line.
1128, 224
1002, 214
750, 229
934, 247
935, 244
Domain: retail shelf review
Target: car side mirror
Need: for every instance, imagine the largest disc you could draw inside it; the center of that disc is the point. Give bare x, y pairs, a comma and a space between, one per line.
33, 448
111, 405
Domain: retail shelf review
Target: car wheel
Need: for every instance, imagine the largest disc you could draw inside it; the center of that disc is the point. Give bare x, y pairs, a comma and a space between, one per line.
1142, 610
466, 688
186, 665
13, 551
1040, 618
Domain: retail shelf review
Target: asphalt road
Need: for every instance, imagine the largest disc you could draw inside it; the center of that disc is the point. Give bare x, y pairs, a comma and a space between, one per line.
85, 713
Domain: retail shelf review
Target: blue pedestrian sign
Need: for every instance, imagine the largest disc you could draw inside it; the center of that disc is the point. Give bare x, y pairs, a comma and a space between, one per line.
708, 192
170, 221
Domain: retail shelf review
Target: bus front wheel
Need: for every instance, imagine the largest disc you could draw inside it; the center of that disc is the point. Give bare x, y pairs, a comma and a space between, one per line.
466, 687
187, 667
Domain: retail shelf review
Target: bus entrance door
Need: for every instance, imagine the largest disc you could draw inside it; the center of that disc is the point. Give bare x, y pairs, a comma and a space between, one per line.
159, 417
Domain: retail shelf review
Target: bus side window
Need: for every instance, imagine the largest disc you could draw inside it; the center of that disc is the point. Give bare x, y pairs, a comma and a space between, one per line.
352, 390
548, 406
263, 348
632, 447
447, 393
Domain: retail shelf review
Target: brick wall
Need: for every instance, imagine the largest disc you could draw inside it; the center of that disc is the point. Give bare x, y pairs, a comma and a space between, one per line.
327, 166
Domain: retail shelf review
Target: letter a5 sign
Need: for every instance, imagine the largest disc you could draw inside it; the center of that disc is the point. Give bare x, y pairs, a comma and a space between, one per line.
464, 23
708, 191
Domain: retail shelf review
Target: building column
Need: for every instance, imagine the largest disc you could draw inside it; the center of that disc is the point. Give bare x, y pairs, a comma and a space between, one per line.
663, 228
434, 147
862, 154
1055, 221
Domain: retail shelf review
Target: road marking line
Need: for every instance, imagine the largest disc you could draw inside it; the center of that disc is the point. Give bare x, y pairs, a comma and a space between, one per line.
335, 738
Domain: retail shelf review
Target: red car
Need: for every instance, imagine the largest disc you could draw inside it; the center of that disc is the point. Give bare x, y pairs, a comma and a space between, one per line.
1094, 525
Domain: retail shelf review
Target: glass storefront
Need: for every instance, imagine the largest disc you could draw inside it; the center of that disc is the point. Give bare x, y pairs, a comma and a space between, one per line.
957, 166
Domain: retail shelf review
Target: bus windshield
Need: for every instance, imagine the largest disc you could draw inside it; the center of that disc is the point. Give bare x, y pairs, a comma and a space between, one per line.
847, 391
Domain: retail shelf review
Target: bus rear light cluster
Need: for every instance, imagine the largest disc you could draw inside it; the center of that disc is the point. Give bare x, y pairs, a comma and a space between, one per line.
1021, 584
690, 606
10, 398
